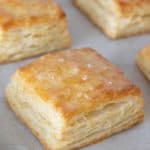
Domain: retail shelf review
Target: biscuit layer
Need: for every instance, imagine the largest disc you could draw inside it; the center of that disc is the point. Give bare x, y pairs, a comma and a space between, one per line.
73, 98
118, 18
143, 61
29, 28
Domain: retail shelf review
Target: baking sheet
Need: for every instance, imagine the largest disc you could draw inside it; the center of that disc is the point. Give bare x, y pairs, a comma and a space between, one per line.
15, 136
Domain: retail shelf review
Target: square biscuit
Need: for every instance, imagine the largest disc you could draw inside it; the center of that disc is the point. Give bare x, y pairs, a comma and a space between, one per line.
31, 27
143, 61
71, 99
118, 18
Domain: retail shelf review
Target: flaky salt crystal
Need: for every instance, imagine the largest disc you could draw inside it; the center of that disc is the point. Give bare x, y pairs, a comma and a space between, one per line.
84, 77
89, 66
109, 83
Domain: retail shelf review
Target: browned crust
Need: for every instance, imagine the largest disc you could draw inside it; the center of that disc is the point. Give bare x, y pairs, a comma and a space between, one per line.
144, 53
55, 21
142, 57
104, 30
125, 7
132, 2
137, 120
142, 69
7, 20
111, 36
99, 96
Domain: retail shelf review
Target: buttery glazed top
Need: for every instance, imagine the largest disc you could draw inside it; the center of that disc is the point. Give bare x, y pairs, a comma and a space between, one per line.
132, 1
76, 81
26, 12
144, 54
133, 7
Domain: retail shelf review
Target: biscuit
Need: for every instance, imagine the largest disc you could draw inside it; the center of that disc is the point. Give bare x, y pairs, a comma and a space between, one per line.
143, 61
118, 18
29, 28
70, 99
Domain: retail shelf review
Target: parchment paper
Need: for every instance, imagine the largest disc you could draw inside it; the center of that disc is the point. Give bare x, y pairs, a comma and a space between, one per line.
15, 136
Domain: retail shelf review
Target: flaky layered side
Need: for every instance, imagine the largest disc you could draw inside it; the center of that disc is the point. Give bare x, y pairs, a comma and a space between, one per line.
83, 129
27, 32
43, 121
143, 61
117, 19
70, 99
25, 42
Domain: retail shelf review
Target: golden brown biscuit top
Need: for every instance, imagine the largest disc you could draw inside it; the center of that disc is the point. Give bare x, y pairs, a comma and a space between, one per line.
26, 12
76, 81
133, 7
144, 54
132, 1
